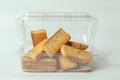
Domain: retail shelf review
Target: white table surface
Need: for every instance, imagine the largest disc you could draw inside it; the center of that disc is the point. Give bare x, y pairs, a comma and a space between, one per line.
107, 39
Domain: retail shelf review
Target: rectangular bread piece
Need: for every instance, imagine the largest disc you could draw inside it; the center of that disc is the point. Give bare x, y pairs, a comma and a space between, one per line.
77, 45
66, 64
37, 36
76, 55
37, 50
42, 65
53, 44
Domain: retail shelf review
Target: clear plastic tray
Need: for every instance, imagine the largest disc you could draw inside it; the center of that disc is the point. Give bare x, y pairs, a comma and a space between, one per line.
80, 25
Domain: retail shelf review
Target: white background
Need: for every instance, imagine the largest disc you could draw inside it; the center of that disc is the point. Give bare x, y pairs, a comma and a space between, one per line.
107, 38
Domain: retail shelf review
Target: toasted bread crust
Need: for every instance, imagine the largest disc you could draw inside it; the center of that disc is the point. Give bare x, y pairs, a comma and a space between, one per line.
66, 64
53, 44
69, 50
77, 45
42, 65
37, 36
37, 50
76, 55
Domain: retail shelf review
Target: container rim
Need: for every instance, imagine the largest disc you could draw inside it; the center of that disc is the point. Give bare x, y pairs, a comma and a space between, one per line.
57, 16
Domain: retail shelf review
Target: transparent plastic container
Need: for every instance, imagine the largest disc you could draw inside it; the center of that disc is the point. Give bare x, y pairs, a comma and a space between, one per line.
80, 25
